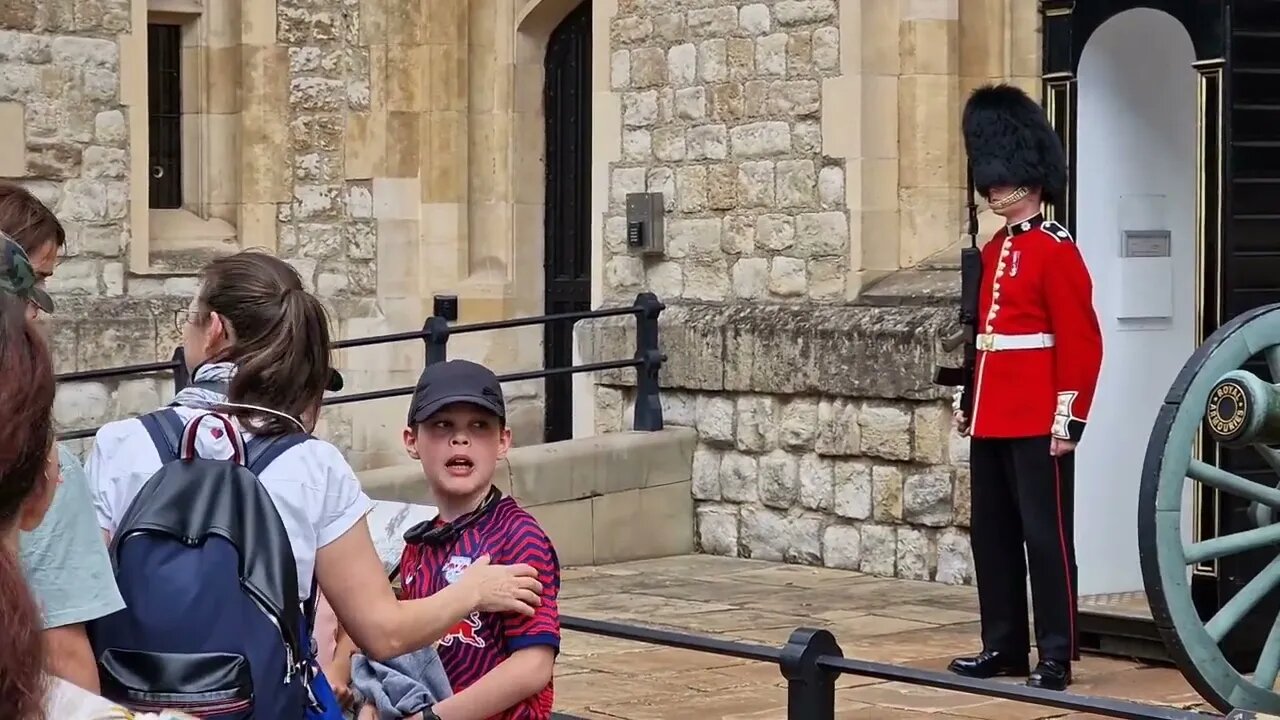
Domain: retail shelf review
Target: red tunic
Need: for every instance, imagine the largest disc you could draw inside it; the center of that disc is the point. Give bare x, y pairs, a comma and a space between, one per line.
1039, 344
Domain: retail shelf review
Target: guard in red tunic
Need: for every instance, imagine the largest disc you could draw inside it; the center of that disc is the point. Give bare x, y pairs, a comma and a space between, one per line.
1039, 351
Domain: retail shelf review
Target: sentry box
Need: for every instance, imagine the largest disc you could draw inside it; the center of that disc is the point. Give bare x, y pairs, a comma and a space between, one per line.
644, 223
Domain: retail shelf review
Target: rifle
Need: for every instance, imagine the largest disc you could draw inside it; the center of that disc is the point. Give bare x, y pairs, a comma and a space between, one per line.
970, 282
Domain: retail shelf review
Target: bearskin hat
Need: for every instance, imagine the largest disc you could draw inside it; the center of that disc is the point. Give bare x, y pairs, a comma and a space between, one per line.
1009, 142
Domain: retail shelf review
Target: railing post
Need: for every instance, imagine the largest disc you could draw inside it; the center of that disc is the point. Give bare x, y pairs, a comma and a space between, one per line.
648, 415
446, 306
811, 690
181, 376
436, 330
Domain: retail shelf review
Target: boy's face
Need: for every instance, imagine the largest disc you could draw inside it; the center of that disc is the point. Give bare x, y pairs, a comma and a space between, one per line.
459, 447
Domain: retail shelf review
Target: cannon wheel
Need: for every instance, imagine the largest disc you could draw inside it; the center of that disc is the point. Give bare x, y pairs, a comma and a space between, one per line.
1168, 469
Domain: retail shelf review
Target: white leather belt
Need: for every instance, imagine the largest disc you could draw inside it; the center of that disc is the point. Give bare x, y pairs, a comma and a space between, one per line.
990, 342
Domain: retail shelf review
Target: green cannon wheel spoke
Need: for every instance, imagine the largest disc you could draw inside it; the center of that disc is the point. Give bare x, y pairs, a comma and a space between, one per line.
1230, 482
1272, 354
1244, 601
1264, 675
1232, 544
1271, 456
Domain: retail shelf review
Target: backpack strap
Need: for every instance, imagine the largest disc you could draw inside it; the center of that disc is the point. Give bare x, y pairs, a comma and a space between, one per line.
262, 451
165, 427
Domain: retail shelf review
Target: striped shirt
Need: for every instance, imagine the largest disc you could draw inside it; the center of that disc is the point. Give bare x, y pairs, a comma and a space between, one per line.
479, 643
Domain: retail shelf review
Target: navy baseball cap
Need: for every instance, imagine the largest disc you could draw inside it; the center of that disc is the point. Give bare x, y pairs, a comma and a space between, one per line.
456, 381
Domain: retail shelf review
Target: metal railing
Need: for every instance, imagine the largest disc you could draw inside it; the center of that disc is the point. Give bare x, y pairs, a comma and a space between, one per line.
811, 661
435, 333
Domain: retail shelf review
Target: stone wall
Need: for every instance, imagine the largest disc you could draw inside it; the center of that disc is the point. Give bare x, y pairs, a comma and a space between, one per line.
809, 156
721, 111
821, 439
341, 137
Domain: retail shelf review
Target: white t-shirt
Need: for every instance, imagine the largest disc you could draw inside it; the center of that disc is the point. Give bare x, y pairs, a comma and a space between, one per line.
314, 488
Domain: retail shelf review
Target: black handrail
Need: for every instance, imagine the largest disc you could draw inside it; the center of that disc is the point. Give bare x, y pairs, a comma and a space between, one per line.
435, 332
812, 661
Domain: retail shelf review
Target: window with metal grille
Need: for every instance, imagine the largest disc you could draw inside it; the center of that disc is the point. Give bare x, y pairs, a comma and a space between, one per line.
164, 93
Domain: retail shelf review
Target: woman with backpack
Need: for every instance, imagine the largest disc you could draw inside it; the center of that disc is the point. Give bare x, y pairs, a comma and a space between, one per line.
258, 347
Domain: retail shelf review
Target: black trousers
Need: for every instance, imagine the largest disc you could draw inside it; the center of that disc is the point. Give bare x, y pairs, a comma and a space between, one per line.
1023, 496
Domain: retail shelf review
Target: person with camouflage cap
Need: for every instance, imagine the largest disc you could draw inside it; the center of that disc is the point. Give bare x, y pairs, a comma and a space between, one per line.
65, 559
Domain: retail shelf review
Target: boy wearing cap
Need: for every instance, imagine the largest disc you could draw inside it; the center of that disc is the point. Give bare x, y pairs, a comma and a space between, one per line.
499, 665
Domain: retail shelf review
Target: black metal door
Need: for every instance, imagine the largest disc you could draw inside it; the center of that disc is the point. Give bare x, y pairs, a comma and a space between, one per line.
567, 220
1250, 276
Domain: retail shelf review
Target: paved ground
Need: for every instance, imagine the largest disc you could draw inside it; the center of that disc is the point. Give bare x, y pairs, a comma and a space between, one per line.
894, 621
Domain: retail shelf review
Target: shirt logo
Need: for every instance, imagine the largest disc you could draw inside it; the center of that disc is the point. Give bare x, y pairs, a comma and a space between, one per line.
453, 569
467, 632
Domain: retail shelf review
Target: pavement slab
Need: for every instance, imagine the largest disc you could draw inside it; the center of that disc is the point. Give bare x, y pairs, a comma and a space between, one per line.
899, 622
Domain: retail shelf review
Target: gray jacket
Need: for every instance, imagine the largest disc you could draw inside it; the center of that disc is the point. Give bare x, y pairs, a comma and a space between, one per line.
402, 685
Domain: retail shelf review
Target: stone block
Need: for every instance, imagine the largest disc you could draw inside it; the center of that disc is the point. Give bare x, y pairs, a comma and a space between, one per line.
817, 483
852, 489
928, 132
880, 37
885, 431
916, 555
13, 144
930, 47
779, 536
955, 558
404, 141
706, 473
804, 12
264, 175
842, 547
715, 417
886, 493
798, 423
879, 550
645, 523
717, 529
779, 479
570, 526
927, 497
738, 478
444, 164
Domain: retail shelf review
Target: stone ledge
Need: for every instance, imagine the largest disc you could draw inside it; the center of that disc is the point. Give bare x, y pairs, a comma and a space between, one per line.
866, 351
919, 287
567, 470
602, 499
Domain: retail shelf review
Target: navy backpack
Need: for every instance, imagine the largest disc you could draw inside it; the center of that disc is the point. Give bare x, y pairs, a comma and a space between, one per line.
212, 624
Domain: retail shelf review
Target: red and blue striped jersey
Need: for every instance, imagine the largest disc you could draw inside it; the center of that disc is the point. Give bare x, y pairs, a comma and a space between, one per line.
479, 643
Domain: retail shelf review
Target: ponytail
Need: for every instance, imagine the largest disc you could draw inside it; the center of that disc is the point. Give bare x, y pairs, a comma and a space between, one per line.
281, 346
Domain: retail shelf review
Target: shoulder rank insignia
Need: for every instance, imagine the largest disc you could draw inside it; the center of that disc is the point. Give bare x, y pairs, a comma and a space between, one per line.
1056, 230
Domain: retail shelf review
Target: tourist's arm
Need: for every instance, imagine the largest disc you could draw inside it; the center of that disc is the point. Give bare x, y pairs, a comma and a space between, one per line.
70, 657
70, 575
350, 574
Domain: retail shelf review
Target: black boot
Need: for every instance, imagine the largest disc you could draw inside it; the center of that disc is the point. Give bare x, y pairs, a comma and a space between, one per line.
989, 664
1051, 675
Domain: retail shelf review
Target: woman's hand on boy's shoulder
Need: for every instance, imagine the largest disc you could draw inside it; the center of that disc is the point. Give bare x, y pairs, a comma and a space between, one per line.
503, 588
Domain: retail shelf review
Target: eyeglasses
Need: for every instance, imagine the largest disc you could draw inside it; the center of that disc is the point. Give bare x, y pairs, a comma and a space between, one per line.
183, 316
